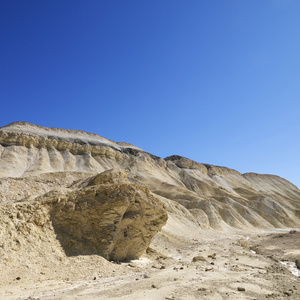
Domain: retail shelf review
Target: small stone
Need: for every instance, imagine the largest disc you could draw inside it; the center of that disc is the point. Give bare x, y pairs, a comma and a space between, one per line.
288, 293
199, 258
298, 263
18, 278
153, 286
241, 289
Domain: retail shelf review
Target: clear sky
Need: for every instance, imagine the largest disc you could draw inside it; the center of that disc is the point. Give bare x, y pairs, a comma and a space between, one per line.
212, 80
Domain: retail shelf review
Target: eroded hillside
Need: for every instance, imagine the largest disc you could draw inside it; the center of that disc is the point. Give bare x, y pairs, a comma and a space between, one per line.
70, 201
215, 197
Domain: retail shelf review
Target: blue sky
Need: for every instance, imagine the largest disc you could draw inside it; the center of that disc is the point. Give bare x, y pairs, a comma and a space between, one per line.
212, 80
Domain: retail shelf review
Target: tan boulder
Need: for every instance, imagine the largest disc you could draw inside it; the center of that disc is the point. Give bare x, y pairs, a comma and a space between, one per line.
199, 258
116, 221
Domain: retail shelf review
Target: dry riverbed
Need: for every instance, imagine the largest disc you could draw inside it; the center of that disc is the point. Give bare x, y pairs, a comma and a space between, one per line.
215, 265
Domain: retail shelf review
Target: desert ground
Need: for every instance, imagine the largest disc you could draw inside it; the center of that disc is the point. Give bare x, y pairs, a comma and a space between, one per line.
215, 265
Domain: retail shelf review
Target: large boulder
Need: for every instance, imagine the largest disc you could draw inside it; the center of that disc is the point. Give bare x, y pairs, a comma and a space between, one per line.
114, 220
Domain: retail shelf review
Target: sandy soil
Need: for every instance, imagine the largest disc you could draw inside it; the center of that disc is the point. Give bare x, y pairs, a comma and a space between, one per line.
227, 268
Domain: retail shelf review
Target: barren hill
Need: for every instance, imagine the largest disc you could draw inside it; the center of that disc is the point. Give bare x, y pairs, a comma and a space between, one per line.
74, 195
217, 197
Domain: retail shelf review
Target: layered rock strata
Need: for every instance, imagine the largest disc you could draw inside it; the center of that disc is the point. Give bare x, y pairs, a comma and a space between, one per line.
211, 196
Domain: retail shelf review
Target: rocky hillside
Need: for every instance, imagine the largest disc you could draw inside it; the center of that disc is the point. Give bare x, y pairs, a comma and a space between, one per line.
80, 198
215, 197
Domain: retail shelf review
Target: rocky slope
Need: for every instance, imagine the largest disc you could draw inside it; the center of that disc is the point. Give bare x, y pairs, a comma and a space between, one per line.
71, 200
215, 197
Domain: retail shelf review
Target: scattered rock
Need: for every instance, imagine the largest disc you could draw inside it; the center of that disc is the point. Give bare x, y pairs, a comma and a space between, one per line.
208, 269
199, 258
241, 289
213, 256
288, 293
298, 263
